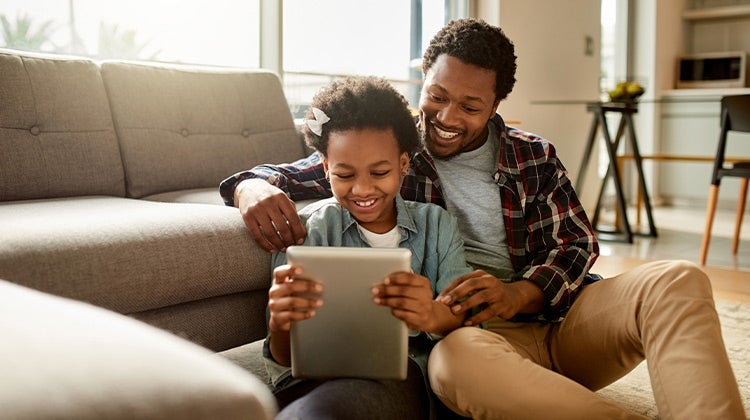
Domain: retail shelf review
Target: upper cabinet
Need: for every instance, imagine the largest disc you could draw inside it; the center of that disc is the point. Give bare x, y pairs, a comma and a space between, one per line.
717, 26
725, 10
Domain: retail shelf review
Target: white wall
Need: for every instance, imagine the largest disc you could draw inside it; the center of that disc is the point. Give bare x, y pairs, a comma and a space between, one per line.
550, 40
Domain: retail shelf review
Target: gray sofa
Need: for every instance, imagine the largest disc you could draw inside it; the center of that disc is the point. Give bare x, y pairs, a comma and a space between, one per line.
109, 176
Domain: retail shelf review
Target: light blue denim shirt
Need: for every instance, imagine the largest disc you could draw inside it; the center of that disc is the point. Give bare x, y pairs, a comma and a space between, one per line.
428, 230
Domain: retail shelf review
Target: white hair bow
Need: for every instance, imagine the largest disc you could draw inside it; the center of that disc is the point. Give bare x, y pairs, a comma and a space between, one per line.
316, 125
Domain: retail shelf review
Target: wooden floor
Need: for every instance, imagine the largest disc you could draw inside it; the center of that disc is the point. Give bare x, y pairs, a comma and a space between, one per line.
731, 285
679, 236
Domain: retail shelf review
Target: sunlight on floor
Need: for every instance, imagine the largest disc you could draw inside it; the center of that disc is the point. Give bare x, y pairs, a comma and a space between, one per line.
680, 231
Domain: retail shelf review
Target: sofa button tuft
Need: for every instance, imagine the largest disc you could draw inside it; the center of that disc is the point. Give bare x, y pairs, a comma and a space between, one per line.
245, 133
35, 130
184, 132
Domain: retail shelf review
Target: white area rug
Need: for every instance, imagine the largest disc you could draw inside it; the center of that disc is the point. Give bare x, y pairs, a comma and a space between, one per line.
634, 390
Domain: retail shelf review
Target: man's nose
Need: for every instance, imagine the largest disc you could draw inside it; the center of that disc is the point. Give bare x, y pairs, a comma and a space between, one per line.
447, 115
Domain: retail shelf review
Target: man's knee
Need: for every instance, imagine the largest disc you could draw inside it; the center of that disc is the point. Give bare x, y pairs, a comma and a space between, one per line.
682, 279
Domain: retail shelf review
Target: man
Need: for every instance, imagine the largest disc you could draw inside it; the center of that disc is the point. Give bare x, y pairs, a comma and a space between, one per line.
554, 333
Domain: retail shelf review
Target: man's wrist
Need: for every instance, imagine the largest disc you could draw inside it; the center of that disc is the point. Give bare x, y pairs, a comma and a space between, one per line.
531, 295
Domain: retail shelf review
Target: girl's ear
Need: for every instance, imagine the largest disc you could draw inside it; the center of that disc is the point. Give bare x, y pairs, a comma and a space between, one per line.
404, 163
325, 166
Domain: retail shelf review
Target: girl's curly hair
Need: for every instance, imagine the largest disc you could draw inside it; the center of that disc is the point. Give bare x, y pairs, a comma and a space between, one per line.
356, 103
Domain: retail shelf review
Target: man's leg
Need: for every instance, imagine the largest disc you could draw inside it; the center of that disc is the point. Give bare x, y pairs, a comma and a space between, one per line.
505, 373
664, 311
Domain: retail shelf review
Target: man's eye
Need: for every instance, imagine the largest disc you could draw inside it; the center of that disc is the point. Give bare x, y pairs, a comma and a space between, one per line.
343, 176
436, 98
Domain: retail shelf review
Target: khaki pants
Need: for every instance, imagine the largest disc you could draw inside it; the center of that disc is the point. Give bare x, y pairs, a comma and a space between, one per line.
663, 311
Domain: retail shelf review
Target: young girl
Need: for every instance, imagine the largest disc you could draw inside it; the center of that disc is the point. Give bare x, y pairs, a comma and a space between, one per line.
364, 134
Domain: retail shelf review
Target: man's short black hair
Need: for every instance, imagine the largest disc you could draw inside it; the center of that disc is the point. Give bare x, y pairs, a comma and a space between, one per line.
478, 43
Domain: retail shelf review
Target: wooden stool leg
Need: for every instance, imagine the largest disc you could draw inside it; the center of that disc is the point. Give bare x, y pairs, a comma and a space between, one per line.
740, 212
713, 195
618, 217
638, 204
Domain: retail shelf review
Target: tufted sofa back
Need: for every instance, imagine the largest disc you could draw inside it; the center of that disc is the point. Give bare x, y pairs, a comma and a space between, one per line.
189, 127
56, 133
70, 126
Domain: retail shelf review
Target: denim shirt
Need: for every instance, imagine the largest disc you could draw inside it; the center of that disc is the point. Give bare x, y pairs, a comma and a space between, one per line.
428, 230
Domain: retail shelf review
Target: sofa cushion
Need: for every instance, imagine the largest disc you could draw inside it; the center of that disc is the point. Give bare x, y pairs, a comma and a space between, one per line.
63, 359
250, 357
129, 255
194, 195
186, 127
56, 133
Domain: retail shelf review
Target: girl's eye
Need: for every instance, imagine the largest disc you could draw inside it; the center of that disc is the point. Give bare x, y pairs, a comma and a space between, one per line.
343, 176
380, 173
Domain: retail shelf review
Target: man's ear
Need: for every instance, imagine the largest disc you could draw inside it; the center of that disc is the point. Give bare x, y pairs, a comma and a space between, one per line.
494, 107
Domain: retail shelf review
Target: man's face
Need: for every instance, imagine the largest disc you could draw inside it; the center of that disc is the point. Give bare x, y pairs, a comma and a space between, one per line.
457, 101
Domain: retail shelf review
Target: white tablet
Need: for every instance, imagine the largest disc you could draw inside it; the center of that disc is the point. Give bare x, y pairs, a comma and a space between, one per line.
349, 336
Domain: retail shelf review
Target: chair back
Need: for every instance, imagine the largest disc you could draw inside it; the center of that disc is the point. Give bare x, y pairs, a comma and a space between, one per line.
737, 111
735, 116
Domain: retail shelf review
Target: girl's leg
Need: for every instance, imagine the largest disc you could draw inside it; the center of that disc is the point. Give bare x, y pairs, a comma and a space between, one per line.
361, 399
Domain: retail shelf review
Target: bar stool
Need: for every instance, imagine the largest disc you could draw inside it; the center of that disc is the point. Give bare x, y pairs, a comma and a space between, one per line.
626, 111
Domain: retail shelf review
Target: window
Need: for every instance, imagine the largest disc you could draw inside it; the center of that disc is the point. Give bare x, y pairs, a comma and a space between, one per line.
321, 40
327, 39
195, 31
614, 43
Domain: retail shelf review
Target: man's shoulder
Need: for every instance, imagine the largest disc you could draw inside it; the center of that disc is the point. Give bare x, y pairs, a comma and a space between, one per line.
527, 146
525, 138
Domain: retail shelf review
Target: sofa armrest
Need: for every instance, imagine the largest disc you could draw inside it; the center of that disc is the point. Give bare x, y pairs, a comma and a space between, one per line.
65, 359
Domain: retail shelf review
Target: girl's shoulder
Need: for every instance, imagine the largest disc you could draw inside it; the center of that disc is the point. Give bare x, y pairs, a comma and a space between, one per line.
320, 207
426, 213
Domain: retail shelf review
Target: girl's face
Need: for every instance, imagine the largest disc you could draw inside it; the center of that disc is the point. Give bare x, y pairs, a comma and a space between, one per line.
365, 169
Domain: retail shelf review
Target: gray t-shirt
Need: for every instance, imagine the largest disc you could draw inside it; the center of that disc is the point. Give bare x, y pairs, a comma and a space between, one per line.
473, 197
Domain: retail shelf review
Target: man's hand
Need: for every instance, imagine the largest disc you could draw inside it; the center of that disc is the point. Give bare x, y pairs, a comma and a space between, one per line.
269, 214
500, 299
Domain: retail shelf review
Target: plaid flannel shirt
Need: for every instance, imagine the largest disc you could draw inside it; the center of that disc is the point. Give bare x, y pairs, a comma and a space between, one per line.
550, 239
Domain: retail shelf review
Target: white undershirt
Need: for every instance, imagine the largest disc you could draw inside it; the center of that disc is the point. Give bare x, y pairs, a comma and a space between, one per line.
473, 197
389, 239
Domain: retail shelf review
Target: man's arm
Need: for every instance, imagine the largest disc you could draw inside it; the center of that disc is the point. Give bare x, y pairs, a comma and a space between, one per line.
265, 196
303, 179
561, 243
556, 247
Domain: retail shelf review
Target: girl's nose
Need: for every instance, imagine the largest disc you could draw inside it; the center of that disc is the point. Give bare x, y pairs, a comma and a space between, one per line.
363, 186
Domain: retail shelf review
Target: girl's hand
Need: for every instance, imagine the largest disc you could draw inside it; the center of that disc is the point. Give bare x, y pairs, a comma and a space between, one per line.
292, 297
410, 298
